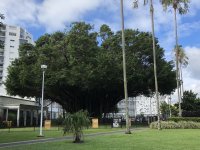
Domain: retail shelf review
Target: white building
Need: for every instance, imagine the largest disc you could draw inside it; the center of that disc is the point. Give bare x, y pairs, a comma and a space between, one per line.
55, 110
12, 37
140, 105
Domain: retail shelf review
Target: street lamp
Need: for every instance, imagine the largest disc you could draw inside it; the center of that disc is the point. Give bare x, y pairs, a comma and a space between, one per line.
43, 67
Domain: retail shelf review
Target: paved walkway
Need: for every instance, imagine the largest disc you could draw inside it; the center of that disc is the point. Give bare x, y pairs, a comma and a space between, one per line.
13, 144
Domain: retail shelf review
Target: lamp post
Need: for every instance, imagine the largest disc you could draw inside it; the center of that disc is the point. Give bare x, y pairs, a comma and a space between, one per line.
43, 67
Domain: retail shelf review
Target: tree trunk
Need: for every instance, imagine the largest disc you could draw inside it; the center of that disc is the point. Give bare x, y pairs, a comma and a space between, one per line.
177, 63
155, 66
77, 138
181, 79
124, 70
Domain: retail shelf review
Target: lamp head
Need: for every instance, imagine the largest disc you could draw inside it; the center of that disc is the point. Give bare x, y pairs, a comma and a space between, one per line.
43, 67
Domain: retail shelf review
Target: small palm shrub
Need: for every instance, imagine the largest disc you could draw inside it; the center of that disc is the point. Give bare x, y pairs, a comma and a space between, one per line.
75, 123
176, 125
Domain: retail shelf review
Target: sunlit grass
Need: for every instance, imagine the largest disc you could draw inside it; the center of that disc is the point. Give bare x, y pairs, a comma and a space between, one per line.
181, 139
30, 133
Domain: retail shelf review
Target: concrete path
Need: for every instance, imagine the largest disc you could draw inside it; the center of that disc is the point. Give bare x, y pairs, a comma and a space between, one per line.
13, 144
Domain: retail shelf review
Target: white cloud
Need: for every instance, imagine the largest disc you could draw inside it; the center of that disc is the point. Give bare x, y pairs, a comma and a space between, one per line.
19, 12
193, 54
55, 14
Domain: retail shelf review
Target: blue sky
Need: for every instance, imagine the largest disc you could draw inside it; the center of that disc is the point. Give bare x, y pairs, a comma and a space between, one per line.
48, 16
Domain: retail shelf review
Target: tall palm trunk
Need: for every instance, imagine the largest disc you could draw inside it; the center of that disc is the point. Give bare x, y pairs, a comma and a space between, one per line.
177, 63
155, 66
181, 80
124, 70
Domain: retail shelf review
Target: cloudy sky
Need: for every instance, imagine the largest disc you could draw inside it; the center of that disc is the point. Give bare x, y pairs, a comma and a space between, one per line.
47, 16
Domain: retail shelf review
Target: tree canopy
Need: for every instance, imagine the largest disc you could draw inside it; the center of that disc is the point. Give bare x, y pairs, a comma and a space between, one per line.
190, 102
85, 68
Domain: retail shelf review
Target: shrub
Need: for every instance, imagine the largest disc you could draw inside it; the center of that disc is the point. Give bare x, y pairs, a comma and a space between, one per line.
176, 125
177, 119
165, 125
191, 113
74, 123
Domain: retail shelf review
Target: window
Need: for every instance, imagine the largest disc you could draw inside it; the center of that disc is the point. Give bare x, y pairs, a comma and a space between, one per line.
2, 39
12, 34
22, 33
22, 41
13, 27
3, 27
2, 33
12, 40
12, 46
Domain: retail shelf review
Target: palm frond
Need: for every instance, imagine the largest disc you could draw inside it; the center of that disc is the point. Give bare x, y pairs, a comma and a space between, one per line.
135, 4
2, 16
180, 5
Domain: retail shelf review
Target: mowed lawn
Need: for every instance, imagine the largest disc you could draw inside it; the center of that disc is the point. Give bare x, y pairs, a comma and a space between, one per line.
147, 139
24, 134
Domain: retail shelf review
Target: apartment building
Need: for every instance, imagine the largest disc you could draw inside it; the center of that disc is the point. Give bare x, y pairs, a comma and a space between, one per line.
12, 37
140, 105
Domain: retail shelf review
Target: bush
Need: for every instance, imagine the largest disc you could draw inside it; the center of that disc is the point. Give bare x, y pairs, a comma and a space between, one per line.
75, 123
177, 119
189, 125
176, 125
165, 125
191, 113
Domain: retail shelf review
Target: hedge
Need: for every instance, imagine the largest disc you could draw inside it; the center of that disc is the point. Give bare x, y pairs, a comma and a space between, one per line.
176, 125
177, 119
191, 113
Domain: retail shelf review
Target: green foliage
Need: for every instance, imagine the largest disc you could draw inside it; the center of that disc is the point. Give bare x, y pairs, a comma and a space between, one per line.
190, 102
176, 125
180, 5
165, 125
177, 119
174, 111
75, 123
164, 108
85, 74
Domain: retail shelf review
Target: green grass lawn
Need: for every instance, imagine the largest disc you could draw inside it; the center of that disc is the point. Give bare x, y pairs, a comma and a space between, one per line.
22, 134
147, 139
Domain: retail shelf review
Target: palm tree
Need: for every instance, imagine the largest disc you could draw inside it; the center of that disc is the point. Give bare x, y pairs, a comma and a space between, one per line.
183, 62
124, 70
75, 123
154, 56
182, 7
